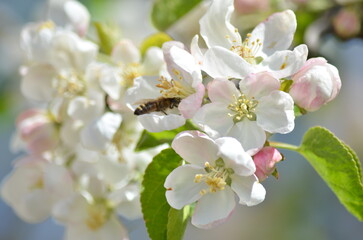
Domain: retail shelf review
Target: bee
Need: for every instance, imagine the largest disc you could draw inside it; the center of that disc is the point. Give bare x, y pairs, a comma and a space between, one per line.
157, 105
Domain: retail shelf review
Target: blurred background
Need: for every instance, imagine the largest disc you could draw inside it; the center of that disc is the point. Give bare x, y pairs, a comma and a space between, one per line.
298, 205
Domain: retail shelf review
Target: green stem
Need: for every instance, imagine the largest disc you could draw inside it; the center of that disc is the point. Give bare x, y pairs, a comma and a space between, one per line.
284, 146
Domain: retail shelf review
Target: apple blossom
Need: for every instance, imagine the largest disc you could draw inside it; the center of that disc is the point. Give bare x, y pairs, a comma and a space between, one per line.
184, 83
216, 171
245, 113
265, 161
315, 84
264, 49
32, 188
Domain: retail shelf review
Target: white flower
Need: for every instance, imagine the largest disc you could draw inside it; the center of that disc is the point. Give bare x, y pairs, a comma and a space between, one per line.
183, 88
218, 169
89, 219
263, 50
246, 113
33, 188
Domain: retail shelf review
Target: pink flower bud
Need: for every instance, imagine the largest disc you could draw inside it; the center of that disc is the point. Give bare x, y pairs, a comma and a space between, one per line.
250, 6
265, 161
315, 84
37, 131
346, 23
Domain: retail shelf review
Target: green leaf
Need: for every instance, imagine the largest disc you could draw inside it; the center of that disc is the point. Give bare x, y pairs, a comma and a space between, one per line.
166, 12
338, 165
108, 35
177, 222
154, 40
154, 206
150, 140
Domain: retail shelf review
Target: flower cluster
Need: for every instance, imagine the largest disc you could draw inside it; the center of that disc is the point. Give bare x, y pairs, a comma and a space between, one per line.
81, 167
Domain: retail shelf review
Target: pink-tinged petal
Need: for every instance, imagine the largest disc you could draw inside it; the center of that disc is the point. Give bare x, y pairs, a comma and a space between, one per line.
249, 134
276, 32
196, 51
248, 189
275, 113
37, 82
98, 134
191, 104
258, 85
78, 16
125, 52
315, 84
286, 63
222, 90
213, 119
235, 157
265, 161
182, 66
215, 26
144, 89
180, 187
195, 147
156, 123
214, 208
222, 63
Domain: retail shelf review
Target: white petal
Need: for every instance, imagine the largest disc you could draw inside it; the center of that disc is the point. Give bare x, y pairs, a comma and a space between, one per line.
222, 90
285, 63
276, 32
215, 26
235, 157
112, 230
78, 16
125, 52
258, 85
249, 134
154, 61
83, 108
214, 208
248, 189
222, 63
275, 113
37, 82
55, 176
97, 134
70, 132
181, 188
128, 201
213, 119
195, 50
71, 210
182, 66
157, 123
110, 81
195, 147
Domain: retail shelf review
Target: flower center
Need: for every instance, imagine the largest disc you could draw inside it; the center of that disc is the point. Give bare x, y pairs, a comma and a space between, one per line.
70, 85
243, 107
46, 25
98, 214
174, 88
217, 176
129, 73
248, 50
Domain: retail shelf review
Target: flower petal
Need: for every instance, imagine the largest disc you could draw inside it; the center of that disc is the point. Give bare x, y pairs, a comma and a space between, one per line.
215, 26
195, 50
259, 84
276, 32
249, 134
235, 157
153, 61
222, 90
195, 147
213, 119
181, 188
125, 52
219, 62
275, 113
214, 208
156, 123
248, 189
285, 63
191, 104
